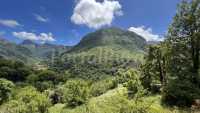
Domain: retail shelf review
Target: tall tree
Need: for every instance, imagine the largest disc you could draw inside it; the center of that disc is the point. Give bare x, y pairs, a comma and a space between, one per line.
155, 66
185, 32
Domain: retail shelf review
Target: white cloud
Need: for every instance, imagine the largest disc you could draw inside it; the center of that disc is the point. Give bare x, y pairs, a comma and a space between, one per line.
43, 37
146, 33
40, 18
9, 23
96, 14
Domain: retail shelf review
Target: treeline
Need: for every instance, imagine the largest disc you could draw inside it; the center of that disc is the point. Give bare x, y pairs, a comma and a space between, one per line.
25, 90
175, 63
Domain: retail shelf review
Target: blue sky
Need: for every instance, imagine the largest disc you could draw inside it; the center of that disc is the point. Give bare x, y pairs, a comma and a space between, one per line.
67, 21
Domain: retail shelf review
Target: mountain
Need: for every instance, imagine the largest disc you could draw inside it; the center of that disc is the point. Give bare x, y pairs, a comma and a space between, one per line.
103, 52
111, 37
43, 51
98, 55
13, 51
29, 51
28, 42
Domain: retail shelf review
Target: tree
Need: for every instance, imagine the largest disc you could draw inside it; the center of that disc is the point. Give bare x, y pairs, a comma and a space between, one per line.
155, 67
183, 63
131, 80
5, 90
45, 79
75, 92
27, 100
13, 70
185, 32
134, 85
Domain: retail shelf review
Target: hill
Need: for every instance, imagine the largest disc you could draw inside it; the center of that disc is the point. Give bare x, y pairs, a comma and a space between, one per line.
111, 37
29, 51
43, 51
103, 52
13, 51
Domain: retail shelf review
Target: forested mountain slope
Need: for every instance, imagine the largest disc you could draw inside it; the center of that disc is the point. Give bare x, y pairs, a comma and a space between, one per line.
102, 53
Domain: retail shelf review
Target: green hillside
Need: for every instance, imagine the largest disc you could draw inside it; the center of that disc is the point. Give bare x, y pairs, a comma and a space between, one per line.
28, 51
111, 36
13, 51
102, 53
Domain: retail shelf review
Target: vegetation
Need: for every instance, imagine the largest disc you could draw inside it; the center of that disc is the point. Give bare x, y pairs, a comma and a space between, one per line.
177, 58
5, 90
104, 52
109, 71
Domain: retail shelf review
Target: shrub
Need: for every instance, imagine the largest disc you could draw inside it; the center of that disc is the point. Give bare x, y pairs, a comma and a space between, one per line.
180, 92
56, 96
100, 87
14, 106
5, 90
13, 70
75, 92
45, 79
34, 101
131, 80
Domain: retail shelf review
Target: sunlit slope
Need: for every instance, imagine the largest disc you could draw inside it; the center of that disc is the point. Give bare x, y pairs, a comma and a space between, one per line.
102, 53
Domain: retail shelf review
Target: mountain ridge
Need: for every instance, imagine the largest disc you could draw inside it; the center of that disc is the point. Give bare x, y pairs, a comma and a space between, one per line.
110, 36
103, 52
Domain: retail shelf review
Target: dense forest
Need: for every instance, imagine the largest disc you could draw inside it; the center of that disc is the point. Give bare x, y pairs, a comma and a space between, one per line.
110, 71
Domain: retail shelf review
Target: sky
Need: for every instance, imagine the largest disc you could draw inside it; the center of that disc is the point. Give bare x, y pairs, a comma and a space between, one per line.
67, 21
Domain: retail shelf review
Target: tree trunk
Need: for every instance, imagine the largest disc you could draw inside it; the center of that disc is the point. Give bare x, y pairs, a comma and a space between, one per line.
195, 58
161, 72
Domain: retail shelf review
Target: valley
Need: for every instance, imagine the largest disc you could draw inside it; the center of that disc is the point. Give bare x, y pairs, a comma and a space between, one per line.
82, 61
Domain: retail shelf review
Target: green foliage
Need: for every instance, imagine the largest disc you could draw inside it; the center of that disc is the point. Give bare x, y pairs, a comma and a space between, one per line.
116, 101
45, 79
57, 96
13, 51
184, 38
100, 87
183, 86
47, 75
76, 92
100, 62
131, 80
27, 100
154, 70
28, 51
102, 53
14, 106
111, 36
5, 90
180, 93
13, 70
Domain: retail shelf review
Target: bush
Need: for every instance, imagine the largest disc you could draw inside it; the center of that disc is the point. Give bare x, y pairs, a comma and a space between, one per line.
100, 87
33, 101
75, 92
47, 75
13, 70
5, 90
14, 106
139, 107
131, 80
180, 93
46, 79
56, 96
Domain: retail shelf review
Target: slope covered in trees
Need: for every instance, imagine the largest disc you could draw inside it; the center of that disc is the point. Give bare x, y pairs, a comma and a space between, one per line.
110, 71
102, 53
174, 63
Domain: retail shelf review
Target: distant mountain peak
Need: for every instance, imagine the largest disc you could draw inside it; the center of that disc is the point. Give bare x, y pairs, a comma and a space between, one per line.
28, 42
111, 36
3, 39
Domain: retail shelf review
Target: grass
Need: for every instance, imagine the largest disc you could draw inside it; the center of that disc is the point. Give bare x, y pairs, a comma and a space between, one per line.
116, 101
